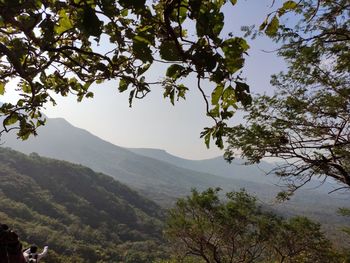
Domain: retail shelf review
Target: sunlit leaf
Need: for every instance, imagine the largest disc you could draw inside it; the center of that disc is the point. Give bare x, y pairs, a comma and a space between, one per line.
289, 5
216, 94
234, 48
2, 88
272, 27
11, 119
64, 23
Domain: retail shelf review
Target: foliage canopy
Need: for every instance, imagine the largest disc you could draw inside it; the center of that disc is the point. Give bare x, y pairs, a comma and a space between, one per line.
306, 121
64, 47
203, 227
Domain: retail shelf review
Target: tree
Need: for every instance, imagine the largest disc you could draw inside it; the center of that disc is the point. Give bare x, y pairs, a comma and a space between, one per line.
306, 121
203, 227
53, 47
299, 239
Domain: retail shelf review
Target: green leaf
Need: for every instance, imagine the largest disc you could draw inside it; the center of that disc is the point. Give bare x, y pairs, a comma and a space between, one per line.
174, 71
124, 12
207, 134
142, 51
210, 23
182, 14
216, 94
90, 23
145, 34
123, 84
11, 119
234, 48
108, 6
24, 135
215, 112
131, 97
2, 88
289, 5
140, 38
182, 89
26, 87
264, 24
170, 92
134, 4
89, 94
229, 98
168, 51
225, 114
242, 87
1, 21
272, 27
233, 2
64, 23
242, 93
143, 69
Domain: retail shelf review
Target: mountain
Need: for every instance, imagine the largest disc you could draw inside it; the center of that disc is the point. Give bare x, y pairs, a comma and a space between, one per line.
237, 169
312, 200
83, 216
217, 166
161, 181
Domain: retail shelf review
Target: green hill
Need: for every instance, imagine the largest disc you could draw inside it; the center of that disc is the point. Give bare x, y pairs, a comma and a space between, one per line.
83, 216
163, 178
160, 181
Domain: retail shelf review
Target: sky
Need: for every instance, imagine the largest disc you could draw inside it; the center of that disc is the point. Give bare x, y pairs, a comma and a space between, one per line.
154, 122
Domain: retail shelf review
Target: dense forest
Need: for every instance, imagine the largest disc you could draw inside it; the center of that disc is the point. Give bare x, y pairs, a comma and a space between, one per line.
83, 216
86, 216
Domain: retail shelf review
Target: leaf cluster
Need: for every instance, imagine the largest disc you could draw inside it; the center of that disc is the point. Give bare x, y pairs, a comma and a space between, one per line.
306, 121
64, 47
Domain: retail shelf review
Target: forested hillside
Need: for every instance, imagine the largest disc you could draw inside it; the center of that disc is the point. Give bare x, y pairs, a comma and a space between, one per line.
158, 180
83, 216
166, 179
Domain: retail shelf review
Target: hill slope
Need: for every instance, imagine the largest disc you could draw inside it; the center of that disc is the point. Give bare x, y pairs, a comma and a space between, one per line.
161, 181
256, 173
217, 166
80, 214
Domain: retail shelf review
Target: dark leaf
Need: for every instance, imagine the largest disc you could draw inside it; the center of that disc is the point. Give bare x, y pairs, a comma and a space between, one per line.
174, 71
169, 51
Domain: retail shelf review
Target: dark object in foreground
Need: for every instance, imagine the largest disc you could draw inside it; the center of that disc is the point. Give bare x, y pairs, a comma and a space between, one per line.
10, 246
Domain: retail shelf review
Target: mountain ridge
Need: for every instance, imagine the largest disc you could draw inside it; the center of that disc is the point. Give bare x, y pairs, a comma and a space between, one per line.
158, 180
154, 178
237, 169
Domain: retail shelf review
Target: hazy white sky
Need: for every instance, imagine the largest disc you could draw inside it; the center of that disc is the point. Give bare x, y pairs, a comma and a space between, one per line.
153, 122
